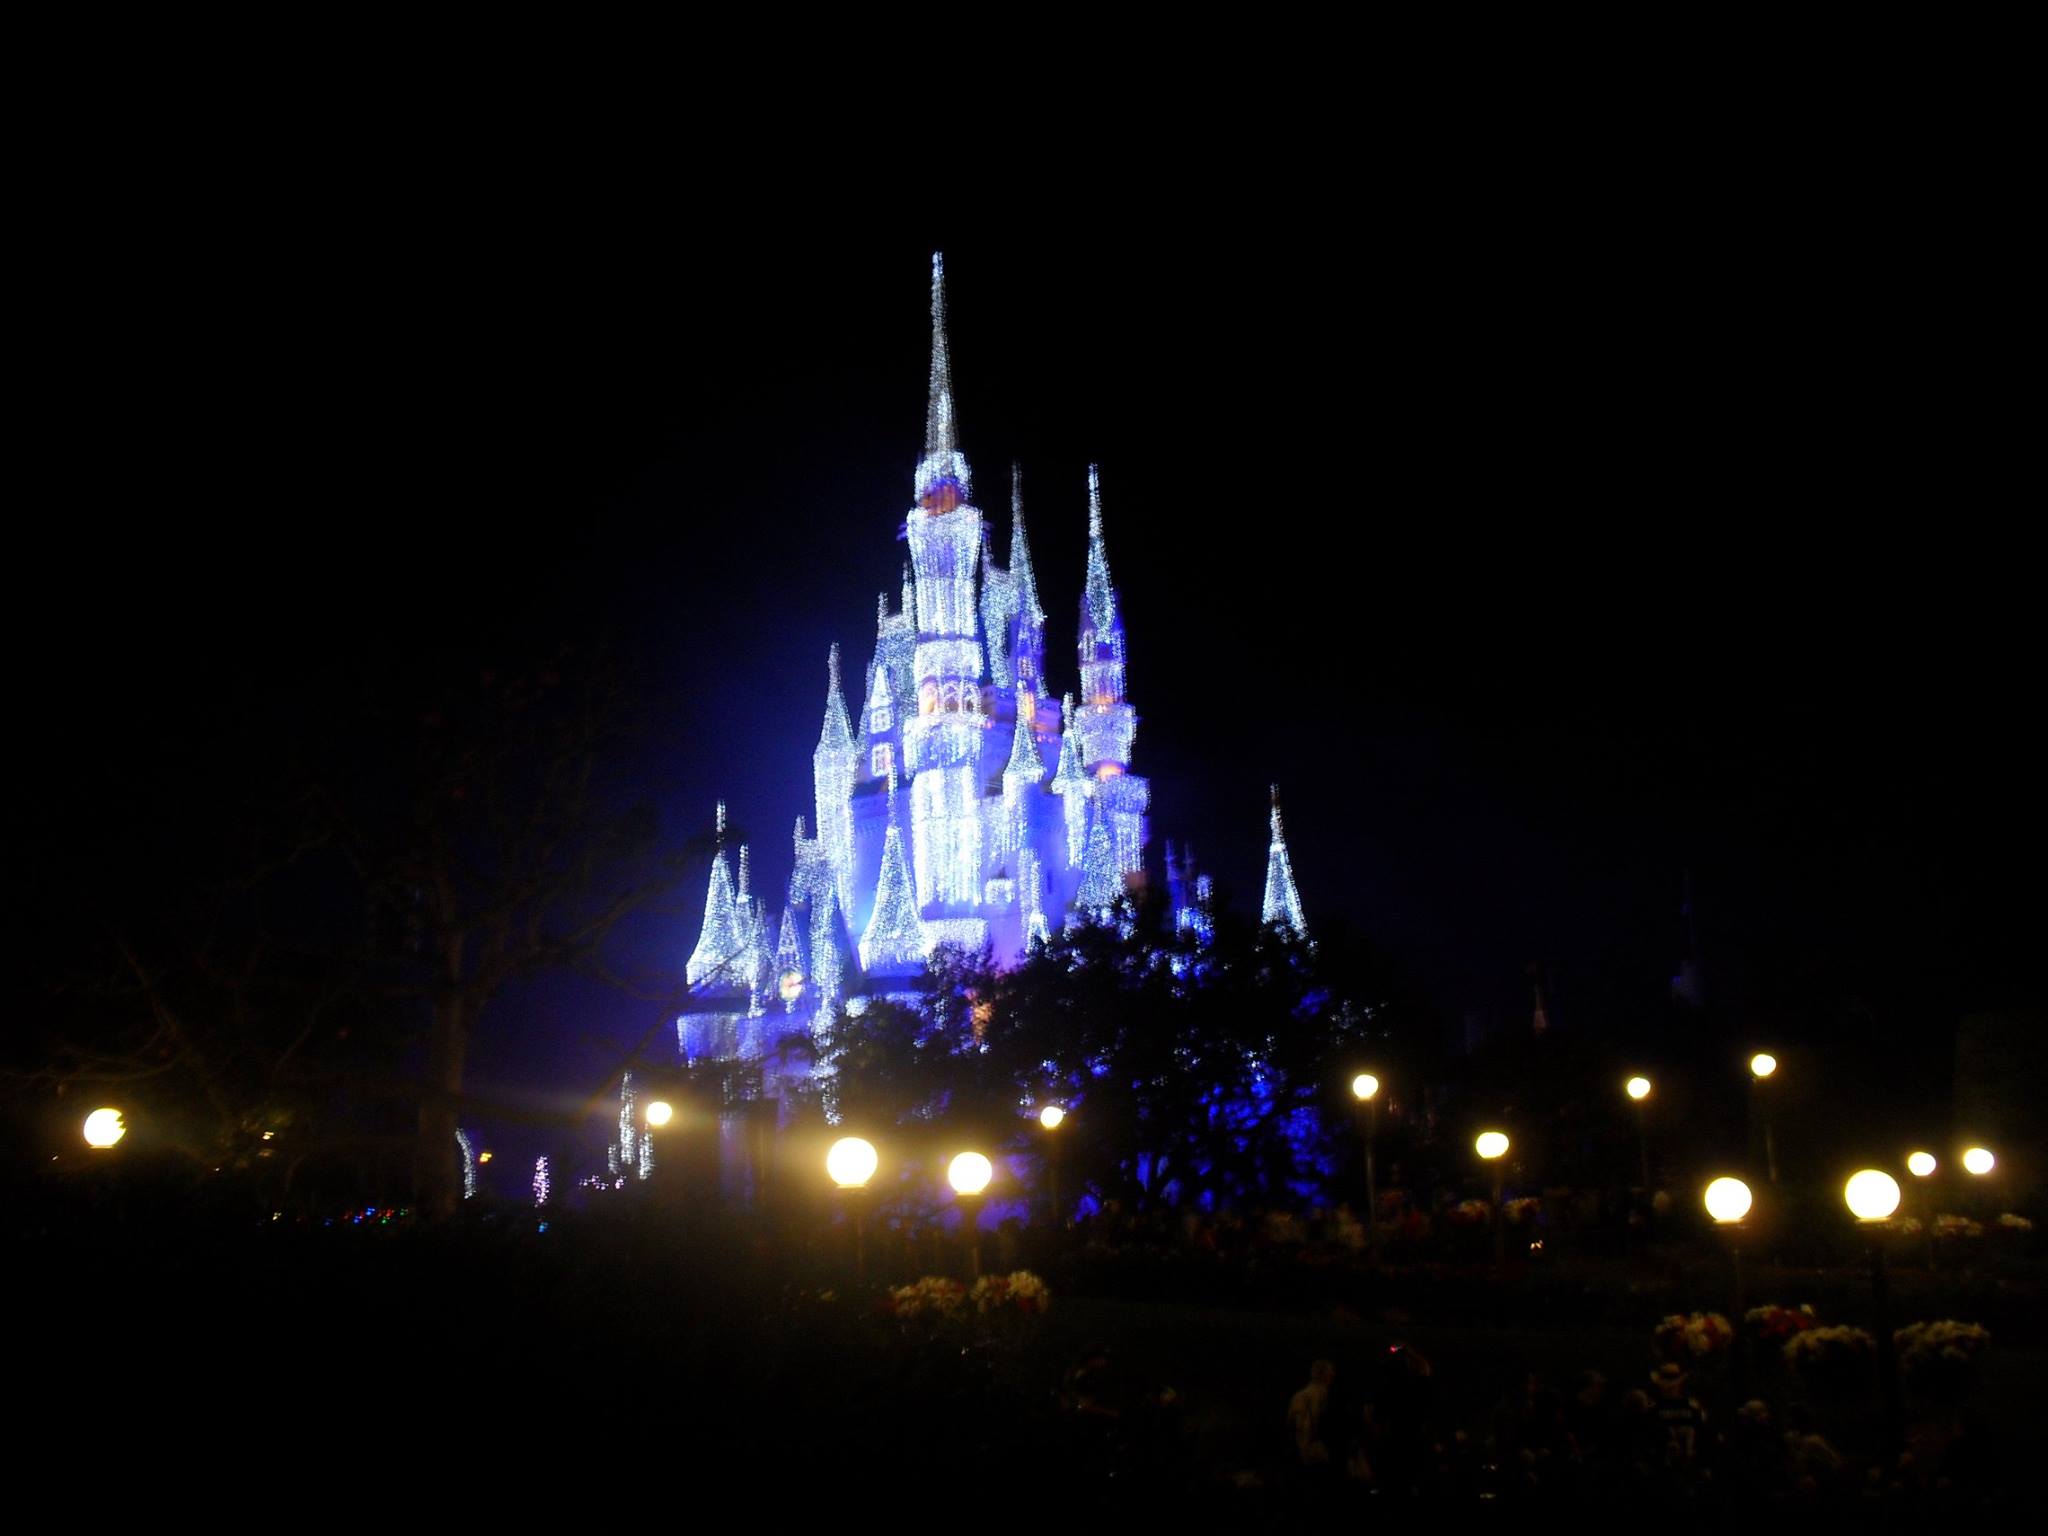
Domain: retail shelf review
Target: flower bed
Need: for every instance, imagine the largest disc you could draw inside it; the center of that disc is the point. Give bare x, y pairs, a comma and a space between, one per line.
1693, 1335
1939, 1359
1772, 1322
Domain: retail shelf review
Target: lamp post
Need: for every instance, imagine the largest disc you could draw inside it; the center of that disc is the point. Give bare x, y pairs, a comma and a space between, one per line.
1922, 1165
1492, 1146
969, 1174
850, 1163
1872, 1196
1366, 1089
1052, 1117
1639, 1092
1762, 1066
659, 1113
1728, 1201
104, 1127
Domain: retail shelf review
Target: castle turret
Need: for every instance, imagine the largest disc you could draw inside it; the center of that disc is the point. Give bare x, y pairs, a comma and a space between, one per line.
717, 959
894, 942
833, 765
942, 742
1106, 723
1282, 907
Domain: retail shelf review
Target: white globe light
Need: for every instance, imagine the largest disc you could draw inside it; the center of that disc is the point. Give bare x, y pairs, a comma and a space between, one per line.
1727, 1200
1763, 1064
103, 1128
1639, 1087
1051, 1116
1491, 1144
1920, 1164
1365, 1085
1872, 1194
660, 1112
851, 1162
970, 1172
1979, 1160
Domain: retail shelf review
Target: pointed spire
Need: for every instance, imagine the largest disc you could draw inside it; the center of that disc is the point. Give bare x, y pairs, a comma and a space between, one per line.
1069, 775
720, 940
1025, 765
1101, 881
1020, 550
1282, 907
743, 894
837, 735
789, 961
895, 938
1099, 604
942, 478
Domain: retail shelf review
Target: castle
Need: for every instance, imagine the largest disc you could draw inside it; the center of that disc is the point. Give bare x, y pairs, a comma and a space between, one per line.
960, 802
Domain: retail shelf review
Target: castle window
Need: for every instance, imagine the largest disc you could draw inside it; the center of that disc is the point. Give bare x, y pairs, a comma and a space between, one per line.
950, 701
884, 760
882, 718
928, 699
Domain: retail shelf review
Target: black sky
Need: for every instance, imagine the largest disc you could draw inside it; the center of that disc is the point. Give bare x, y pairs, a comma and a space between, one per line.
1544, 541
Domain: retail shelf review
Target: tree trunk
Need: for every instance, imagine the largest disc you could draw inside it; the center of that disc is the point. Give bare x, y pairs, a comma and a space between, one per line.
437, 1172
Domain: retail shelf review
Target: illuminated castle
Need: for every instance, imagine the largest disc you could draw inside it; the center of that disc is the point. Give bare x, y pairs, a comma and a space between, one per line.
959, 802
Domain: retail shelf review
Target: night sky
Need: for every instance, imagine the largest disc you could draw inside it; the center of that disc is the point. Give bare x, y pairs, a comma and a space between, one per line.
1542, 549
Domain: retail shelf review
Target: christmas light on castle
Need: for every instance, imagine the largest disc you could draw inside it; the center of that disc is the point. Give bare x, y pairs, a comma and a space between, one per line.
961, 802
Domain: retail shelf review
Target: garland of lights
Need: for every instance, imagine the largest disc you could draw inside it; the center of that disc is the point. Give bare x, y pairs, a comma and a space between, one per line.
542, 1186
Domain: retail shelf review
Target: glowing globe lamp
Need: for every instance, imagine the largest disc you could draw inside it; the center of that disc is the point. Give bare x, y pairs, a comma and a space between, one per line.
1763, 1064
660, 1112
1728, 1200
1490, 1145
103, 1128
1978, 1159
851, 1162
1872, 1194
1365, 1085
1920, 1164
1639, 1087
969, 1173
1051, 1116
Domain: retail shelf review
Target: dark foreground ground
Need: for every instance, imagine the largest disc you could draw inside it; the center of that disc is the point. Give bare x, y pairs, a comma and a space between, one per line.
603, 1368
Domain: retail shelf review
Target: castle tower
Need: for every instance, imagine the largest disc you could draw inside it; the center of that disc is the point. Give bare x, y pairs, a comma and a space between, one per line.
832, 769
1106, 723
942, 741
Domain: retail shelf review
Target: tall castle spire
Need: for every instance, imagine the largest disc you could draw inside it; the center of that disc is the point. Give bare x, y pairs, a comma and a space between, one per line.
1282, 908
720, 941
1020, 549
1098, 603
833, 765
942, 477
894, 940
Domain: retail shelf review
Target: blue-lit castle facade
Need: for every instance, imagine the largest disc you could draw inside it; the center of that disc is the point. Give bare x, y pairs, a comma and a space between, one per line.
960, 800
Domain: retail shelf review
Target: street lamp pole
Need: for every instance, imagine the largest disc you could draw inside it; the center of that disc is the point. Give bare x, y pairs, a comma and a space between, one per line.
969, 1174
851, 1163
1639, 1092
1872, 1196
1761, 1066
1493, 1146
1728, 1201
1052, 1117
1366, 1088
